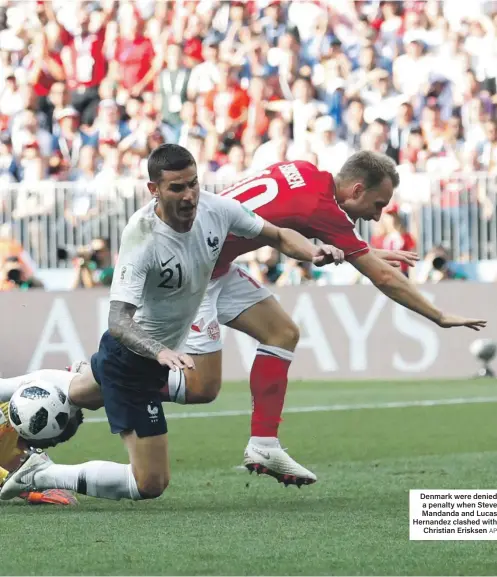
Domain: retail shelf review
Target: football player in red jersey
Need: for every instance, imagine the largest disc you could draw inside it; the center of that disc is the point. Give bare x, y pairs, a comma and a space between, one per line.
299, 196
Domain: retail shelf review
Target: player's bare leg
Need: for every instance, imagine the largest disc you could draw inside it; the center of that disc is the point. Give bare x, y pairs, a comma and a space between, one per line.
193, 387
84, 391
149, 460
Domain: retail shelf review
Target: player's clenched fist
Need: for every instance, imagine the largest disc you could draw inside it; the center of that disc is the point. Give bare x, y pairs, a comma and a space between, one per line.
174, 360
328, 254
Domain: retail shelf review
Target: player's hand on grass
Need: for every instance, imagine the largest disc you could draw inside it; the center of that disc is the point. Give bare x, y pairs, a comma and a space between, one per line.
174, 360
449, 321
397, 257
328, 254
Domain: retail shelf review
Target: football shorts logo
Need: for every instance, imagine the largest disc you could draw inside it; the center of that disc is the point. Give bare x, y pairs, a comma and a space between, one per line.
213, 331
153, 412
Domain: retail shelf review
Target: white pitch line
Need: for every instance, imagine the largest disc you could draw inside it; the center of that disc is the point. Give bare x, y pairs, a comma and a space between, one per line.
328, 408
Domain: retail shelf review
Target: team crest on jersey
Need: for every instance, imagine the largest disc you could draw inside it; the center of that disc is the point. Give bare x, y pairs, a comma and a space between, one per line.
213, 331
213, 243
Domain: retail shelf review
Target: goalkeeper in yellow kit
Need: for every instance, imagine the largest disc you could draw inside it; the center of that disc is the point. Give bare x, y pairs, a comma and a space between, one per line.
12, 451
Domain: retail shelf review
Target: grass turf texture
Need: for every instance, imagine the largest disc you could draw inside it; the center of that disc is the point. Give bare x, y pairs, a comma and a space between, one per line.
215, 519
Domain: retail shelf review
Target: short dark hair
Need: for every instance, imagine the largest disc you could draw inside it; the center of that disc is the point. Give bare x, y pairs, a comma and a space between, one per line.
369, 167
168, 157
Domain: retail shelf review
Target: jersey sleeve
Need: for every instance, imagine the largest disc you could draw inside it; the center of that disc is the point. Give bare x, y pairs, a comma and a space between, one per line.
331, 225
133, 264
242, 221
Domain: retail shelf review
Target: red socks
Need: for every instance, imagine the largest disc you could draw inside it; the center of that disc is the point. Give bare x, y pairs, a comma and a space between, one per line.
268, 382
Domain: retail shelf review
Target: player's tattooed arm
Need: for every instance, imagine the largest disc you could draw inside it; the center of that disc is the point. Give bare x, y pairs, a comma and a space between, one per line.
124, 329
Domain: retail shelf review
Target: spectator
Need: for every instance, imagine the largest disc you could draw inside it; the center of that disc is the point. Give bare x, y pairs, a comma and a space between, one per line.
438, 267
305, 108
433, 127
84, 59
273, 24
173, 86
356, 125
402, 126
235, 169
376, 138
29, 132
257, 117
412, 69
363, 77
44, 62
13, 276
67, 144
205, 76
134, 65
225, 108
9, 102
381, 99
190, 125
87, 166
107, 126
392, 235
58, 99
271, 151
487, 151
93, 265
8, 165
331, 151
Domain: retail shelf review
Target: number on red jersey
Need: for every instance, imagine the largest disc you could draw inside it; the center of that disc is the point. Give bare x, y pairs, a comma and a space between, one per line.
295, 195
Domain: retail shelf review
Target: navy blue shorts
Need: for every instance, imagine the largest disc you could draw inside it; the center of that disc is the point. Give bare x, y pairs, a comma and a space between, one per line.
131, 388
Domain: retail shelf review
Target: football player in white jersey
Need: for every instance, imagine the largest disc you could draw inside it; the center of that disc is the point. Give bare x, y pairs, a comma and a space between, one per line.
167, 255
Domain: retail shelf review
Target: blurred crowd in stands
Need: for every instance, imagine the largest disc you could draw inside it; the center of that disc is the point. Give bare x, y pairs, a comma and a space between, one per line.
88, 89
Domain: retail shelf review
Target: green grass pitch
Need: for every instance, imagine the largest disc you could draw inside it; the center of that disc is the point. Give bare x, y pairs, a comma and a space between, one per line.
368, 443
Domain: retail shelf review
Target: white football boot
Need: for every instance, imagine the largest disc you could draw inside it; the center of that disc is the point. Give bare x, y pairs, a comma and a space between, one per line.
22, 479
274, 461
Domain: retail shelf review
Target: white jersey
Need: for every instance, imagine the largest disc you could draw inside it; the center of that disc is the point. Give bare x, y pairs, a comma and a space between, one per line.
165, 273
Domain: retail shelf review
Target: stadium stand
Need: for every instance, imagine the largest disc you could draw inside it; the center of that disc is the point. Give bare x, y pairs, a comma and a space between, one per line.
88, 89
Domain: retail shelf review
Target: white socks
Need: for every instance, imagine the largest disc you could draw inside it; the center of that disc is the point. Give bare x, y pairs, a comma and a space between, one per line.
268, 442
61, 379
96, 478
177, 387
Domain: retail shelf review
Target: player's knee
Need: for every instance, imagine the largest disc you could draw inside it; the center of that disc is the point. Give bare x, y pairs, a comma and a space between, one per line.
207, 396
286, 335
152, 486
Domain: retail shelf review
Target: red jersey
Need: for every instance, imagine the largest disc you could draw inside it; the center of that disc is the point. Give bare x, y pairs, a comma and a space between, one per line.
45, 79
135, 58
292, 195
84, 61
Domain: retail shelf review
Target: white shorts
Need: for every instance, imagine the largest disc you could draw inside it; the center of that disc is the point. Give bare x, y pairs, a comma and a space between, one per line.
226, 298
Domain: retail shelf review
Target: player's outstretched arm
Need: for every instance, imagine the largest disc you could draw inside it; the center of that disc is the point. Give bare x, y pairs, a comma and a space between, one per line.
397, 287
293, 244
124, 329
